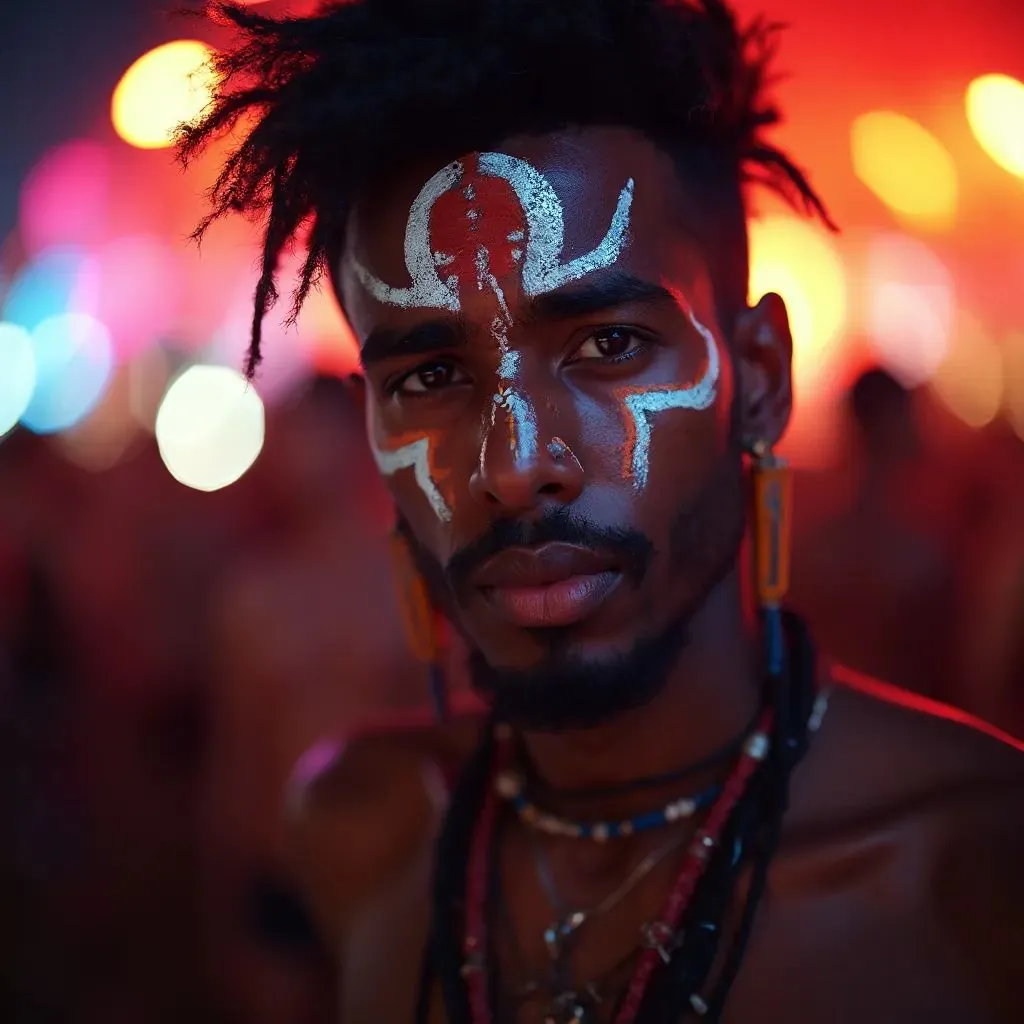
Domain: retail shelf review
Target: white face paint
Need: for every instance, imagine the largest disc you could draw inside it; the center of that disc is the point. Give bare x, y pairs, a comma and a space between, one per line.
415, 456
539, 251
543, 270
428, 291
518, 408
642, 406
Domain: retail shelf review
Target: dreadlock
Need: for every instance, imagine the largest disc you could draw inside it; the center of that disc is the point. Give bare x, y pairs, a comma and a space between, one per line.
329, 104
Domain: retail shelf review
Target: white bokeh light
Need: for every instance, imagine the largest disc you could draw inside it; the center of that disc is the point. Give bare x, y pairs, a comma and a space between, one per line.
210, 427
17, 374
911, 306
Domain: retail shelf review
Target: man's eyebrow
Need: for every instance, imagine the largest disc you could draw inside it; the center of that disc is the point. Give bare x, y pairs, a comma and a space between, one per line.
388, 343
597, 293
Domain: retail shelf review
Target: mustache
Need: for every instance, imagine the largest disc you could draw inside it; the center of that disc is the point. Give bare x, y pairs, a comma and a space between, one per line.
629, 547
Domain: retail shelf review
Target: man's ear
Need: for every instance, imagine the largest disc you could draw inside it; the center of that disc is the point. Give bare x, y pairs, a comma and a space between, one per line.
763, 350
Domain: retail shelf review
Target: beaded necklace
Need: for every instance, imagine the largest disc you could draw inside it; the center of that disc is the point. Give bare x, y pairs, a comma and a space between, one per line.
659, 936
510, 786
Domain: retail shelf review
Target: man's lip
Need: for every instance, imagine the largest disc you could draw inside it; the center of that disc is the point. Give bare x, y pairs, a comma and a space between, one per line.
541, 566
561, 603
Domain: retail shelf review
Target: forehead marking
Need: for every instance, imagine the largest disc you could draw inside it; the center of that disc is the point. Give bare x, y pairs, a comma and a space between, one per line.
544, 237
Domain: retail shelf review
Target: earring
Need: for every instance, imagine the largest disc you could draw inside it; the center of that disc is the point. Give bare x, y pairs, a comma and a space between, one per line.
424, 630
772, 496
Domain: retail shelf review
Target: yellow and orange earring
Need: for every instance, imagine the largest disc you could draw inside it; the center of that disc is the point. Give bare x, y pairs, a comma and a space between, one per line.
772, 497
423, 626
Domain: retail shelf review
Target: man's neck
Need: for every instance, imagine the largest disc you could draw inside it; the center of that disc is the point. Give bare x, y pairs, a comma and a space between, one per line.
710, 697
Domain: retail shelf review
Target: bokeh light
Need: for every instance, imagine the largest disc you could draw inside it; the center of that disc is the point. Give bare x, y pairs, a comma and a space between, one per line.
969, 380
138, 314
995, 112
210, 427
163, 88
105, 436
801, 263
910, 307
17, 374
74, 360
59, 280
65, 199
906, 167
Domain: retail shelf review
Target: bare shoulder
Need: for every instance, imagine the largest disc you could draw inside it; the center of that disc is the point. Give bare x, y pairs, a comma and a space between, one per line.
360, 812
922, 741
914, 814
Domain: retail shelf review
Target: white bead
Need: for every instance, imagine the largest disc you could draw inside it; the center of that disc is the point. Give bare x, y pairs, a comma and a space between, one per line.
757, 746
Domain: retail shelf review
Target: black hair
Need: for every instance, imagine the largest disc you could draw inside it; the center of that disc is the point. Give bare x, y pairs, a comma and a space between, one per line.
330, 104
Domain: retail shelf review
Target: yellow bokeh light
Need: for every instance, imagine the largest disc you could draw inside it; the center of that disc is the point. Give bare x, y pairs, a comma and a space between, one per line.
969, 381
800, 263
906, 167
995, 112
164, 87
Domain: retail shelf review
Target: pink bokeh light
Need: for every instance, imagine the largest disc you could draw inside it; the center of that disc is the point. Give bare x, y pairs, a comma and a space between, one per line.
65, 199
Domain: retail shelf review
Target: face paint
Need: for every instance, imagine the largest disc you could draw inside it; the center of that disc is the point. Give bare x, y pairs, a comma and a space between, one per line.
543, 238
414, 456
559, 450
522, 419
428, 291
526, 229
642, 404
543, 270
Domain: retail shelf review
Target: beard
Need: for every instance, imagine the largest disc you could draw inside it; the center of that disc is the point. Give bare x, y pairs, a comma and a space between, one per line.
565, 691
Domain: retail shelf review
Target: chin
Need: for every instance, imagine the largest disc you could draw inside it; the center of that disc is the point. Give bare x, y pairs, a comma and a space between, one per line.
575, 687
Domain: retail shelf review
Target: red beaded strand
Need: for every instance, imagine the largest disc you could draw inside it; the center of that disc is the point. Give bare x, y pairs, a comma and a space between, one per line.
660, 932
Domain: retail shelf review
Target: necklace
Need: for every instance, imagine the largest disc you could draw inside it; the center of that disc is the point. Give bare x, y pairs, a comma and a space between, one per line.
510, 784
562, 931
659, 936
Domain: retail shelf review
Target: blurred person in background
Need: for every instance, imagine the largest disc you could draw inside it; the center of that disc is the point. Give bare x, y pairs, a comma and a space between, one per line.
565, 389
877, 578
110, 650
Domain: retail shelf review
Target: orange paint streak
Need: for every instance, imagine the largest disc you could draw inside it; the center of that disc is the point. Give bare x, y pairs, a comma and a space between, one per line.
439, 476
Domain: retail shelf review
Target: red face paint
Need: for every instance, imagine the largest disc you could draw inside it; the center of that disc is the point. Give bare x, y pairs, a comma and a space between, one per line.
482, 212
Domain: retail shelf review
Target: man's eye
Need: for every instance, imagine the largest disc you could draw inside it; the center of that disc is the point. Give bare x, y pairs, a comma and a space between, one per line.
611, 345
429, 377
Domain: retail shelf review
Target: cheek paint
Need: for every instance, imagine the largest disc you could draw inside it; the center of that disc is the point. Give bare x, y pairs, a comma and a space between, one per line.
643, 404
417, 457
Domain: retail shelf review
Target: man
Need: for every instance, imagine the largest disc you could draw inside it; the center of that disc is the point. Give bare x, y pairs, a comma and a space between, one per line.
533, 217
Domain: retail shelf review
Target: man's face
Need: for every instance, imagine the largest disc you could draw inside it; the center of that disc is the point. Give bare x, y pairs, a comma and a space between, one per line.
551, 400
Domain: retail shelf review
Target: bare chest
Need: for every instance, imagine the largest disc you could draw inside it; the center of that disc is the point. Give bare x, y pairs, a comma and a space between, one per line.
818, 958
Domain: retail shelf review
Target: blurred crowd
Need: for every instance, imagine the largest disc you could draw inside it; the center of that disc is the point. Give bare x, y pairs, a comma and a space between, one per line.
167, 656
